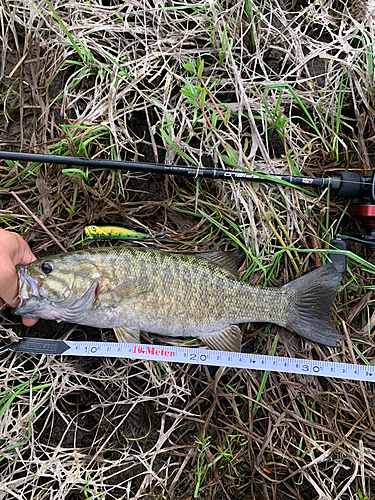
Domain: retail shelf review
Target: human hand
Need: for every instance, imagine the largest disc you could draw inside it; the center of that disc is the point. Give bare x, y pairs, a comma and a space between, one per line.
13, 250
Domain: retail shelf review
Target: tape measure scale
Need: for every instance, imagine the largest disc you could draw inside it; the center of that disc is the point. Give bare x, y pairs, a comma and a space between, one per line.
177, 354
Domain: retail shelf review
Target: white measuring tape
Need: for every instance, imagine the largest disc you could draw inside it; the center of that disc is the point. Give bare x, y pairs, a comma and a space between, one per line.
195, 356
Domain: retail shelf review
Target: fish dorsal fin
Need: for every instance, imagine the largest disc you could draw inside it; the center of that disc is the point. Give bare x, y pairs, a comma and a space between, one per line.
231, 261
228, 339
127, 335
129, 291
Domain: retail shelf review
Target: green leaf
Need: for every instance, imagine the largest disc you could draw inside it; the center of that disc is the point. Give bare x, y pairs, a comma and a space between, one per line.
176, 148
200, 68
203, 98
186, 93
231, 153
227, 160
227, 115
68, 35
190, 66
214, 118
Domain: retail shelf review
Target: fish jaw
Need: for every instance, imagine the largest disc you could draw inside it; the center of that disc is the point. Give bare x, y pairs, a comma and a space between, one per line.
28, 286
31, 304
39, 310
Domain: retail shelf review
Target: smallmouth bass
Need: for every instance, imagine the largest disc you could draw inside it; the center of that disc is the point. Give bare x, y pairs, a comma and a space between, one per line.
177, 295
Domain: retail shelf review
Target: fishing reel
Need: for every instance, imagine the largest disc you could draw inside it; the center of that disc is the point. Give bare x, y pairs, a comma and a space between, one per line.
355, 186
365, 213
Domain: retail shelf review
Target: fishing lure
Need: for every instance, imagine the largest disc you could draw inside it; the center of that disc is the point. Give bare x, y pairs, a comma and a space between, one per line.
115, 232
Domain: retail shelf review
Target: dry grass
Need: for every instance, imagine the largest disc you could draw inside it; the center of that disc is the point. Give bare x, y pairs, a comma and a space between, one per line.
295, 85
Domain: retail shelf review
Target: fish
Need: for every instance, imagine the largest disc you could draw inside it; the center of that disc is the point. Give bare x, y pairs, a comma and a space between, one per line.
133, 289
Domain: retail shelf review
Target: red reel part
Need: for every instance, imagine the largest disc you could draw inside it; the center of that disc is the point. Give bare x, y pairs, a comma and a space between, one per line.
365, 212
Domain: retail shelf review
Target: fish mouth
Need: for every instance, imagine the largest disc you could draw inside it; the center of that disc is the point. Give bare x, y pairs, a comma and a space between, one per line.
28, 291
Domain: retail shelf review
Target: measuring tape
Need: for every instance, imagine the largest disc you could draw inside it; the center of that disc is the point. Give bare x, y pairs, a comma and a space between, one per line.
195, 356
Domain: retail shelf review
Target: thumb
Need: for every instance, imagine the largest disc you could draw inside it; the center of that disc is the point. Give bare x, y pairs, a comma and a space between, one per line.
24, 255
9, 286
14, 250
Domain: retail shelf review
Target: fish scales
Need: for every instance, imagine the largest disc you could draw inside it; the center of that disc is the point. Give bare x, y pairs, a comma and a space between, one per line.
187, 292
132, 289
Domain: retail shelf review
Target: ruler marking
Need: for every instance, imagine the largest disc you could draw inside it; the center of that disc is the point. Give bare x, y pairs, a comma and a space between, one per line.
196, 356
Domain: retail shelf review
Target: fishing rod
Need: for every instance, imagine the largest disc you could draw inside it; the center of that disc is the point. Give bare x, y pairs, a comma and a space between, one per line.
344, 185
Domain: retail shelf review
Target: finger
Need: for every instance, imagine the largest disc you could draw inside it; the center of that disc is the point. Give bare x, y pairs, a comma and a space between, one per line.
29, 321
9, 287
14, 250
23, 255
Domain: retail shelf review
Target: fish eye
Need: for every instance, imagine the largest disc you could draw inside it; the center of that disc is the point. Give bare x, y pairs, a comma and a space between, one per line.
46, 267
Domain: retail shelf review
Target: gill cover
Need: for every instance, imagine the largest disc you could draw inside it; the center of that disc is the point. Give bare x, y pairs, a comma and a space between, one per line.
74, 309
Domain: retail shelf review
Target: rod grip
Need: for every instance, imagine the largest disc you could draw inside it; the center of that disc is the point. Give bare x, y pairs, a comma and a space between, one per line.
352, 185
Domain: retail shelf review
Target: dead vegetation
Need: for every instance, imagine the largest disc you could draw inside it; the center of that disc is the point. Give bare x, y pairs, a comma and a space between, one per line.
272, 86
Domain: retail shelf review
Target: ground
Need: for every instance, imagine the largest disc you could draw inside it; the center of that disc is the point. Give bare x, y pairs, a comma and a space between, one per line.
275, 87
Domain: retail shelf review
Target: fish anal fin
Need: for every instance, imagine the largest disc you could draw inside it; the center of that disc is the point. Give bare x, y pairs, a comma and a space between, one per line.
127, 335
231, 261
228, 339
129, 291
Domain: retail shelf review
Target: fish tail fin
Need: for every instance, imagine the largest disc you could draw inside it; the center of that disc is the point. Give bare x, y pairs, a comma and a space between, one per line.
312, 296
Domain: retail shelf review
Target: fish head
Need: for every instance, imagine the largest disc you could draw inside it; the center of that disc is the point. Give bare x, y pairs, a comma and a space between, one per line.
61, 288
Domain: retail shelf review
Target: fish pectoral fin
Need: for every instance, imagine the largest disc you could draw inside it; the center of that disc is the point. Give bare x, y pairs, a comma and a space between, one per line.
228, 339
127, 335
129, 291
230, 261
